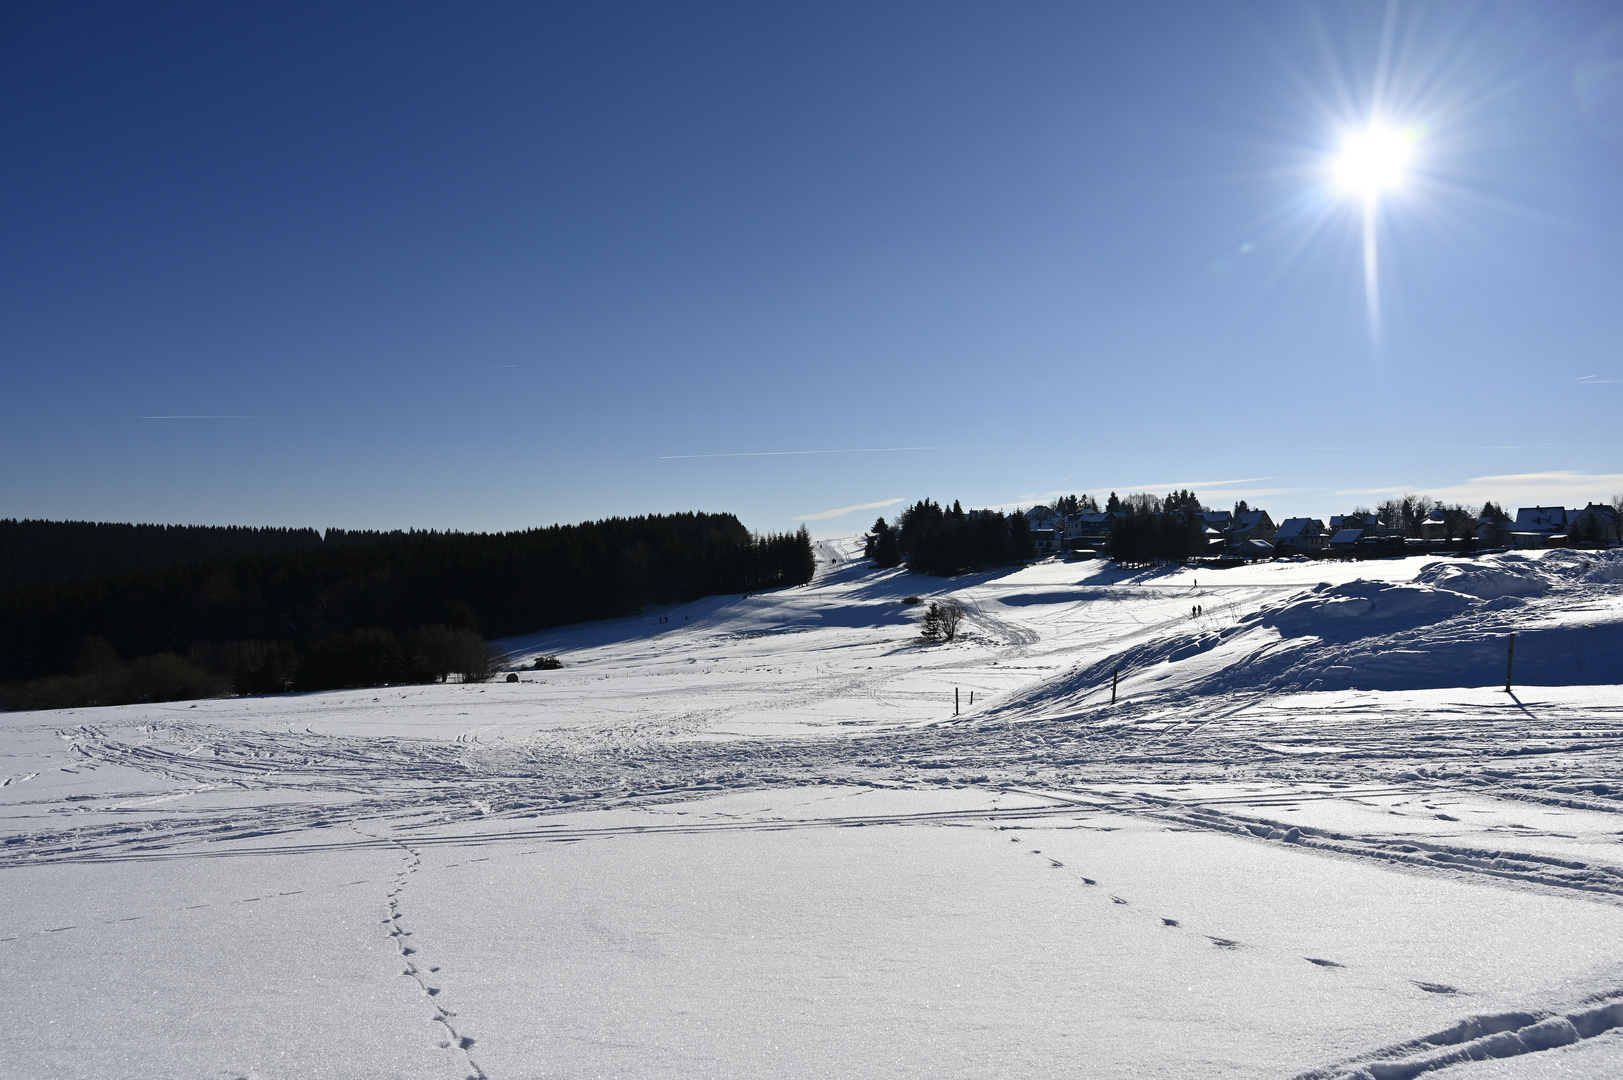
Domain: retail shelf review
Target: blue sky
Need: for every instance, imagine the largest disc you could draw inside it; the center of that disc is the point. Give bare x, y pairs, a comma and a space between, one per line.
493, 266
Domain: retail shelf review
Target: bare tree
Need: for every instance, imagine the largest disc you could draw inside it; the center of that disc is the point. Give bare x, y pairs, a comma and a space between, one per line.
1143, 502
940, 622
1406, 512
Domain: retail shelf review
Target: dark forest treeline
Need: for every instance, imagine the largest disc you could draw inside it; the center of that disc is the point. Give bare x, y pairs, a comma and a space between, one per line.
42, 552
1147, 530
948, 541
291, 605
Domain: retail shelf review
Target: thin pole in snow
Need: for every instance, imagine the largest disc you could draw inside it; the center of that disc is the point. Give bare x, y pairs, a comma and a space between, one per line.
1510, 662
1114, 672
955, 701
972, 699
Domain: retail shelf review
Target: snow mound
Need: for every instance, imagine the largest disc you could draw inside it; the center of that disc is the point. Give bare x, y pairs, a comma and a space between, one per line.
1487, 581
1596, 566
1360, 608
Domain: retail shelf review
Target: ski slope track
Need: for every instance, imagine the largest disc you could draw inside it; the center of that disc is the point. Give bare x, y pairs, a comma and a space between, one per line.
780, 836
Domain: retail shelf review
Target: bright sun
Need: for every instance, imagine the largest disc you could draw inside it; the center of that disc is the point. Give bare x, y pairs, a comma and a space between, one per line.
1373, 160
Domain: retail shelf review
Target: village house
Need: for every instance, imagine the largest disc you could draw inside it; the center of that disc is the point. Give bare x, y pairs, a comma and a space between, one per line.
1252, 534
1539, 527
1253, 549
1596, 525
1248, 526
1043, 517
1364, 521
1300, 535
1343, 541
1087, 531
1491, 532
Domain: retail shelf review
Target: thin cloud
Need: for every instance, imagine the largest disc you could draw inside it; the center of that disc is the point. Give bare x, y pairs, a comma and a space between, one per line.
1195, 485
1593, 380
799, 453
842, 511
1561, 487
1257, 493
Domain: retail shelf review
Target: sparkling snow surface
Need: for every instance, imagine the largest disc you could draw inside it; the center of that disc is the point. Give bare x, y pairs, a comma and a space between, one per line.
749, 838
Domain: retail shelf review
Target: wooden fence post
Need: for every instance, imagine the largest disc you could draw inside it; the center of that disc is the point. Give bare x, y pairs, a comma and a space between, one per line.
1510, 662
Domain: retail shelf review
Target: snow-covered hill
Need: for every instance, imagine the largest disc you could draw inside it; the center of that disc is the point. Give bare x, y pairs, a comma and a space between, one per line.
756, 837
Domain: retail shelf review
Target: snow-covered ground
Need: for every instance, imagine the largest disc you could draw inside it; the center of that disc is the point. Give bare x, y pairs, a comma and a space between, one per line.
1313, 836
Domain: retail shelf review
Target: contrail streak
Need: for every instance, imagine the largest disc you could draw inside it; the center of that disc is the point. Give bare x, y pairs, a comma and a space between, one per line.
797, 453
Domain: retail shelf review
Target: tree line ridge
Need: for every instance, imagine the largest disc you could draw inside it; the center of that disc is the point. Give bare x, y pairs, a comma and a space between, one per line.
353, 612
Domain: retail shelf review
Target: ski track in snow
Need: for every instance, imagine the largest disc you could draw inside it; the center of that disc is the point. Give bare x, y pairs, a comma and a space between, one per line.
1483, 1038
1305, 708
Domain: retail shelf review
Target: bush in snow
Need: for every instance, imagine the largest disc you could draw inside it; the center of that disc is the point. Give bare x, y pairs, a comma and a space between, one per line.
164, 677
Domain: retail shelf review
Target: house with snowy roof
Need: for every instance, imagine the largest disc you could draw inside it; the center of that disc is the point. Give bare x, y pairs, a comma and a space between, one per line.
1597, 525
1435, 527
1343, 541
1251, 525
1043, 517
1362, 520
1539, 527
1300, 534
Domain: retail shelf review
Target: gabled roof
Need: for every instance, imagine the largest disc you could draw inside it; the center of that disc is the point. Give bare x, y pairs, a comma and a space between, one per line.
1346, 536
1292, 528
1541, 518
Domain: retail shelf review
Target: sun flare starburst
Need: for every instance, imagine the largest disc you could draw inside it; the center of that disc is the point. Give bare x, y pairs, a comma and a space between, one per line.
1374, 160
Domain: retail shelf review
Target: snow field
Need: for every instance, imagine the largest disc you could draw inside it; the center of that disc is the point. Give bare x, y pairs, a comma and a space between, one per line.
748, 837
